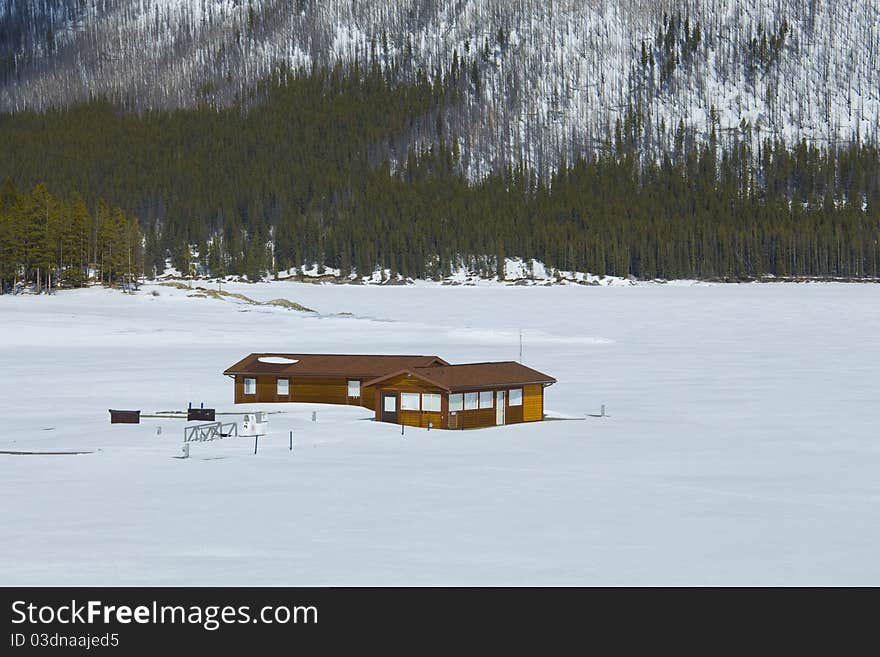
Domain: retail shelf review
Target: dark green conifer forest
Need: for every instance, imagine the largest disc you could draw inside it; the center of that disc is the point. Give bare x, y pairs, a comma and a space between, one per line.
352, 169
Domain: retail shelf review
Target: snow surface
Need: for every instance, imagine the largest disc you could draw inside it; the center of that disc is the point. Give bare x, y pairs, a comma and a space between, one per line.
741, 448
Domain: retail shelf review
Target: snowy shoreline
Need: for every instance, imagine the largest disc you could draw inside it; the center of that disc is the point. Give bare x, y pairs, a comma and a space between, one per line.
473, 280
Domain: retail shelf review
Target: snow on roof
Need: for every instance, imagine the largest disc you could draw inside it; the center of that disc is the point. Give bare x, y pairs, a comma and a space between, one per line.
352, 365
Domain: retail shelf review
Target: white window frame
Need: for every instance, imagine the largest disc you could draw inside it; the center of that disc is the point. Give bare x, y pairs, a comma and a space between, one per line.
471, 401
252, 388
431, 401
487, 399
515, 401
456, 402
286, 383
356, 384
407, 399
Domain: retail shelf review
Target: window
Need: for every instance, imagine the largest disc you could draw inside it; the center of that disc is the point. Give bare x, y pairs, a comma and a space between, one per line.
282, 387
455, 402
409, 401
250, 386
486, 399
354, 388
430, 401
390, 404
470, 401
515, 397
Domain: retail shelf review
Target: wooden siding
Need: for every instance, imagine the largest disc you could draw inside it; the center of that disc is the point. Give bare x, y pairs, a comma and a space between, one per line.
420, 419
514, 414
367, 398
320, 390
481, 417
405, 383
533, 403
335, 391
265, 388
303, 389
266, 391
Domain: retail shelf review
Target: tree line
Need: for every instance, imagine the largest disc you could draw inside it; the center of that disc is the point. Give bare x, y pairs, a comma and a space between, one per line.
348, 168
49, 242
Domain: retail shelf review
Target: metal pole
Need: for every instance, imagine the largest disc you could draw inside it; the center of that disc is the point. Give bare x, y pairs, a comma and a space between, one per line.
255, 444
291, 441
401, 428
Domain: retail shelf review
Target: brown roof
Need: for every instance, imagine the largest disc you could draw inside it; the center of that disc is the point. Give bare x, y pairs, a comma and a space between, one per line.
331, 365
472, 376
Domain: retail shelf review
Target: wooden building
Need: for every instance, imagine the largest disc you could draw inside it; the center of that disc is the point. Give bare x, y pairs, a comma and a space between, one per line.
321, 378
410, 390
461, 396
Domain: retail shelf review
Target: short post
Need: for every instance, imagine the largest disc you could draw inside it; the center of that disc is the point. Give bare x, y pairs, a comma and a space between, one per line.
291, 440
255, 444
429, 425
603, 410
402, 425
158, 431
190, 406
202, 405
314, 416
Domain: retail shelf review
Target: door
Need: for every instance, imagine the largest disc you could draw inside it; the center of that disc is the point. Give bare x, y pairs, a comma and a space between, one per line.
499, 407
389, 407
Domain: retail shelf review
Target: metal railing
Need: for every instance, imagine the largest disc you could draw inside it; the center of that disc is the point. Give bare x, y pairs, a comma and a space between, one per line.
213, 431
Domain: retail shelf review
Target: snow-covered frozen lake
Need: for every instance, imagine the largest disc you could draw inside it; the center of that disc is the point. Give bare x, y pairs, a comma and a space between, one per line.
742, 447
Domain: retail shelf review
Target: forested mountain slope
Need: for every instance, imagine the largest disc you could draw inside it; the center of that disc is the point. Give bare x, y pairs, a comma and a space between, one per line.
679, 140
305, 176
556, 75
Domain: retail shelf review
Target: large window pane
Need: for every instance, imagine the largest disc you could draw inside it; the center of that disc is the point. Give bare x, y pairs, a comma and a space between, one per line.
250, 386
282, 387
486, 399
456, 402
470, 401
515, 398
409, 401
354, 388
430, 401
